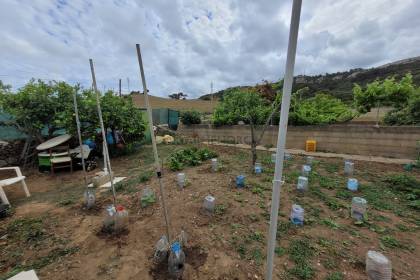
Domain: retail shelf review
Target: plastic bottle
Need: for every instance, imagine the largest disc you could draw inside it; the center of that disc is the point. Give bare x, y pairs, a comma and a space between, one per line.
348, 168
306, 170
309, 160
176, 261
161, 249
258, 168
302, 184
209, 203
358, 208
147, 197
183, 238
288, 156
214, 164
297, 215
378, 267
352, 184
109, 220
90, 197
121, 219
181, 180
240, 181
273, 158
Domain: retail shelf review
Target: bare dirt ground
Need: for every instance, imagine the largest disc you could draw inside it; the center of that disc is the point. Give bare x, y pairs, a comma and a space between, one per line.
52, 233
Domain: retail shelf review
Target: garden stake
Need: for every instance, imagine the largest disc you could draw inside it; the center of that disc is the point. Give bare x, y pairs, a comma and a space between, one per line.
101, 121
281, 140
76, 111
152, 134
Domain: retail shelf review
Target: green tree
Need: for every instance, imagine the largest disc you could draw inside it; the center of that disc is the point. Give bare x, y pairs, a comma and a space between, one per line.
243, 104
321, 109
402, 95
39, 104
190, 117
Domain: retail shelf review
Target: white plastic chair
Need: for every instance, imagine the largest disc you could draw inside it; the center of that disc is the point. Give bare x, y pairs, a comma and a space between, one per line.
10, 181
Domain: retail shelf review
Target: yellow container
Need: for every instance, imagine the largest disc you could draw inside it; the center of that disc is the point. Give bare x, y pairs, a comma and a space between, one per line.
310, 146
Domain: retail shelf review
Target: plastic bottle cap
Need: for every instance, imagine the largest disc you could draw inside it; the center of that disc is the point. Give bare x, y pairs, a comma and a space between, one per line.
120, 208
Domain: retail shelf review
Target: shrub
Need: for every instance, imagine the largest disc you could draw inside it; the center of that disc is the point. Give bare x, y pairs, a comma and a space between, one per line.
189, 157
190, 117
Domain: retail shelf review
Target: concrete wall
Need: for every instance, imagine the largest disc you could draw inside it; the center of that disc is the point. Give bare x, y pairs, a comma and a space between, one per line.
394, 142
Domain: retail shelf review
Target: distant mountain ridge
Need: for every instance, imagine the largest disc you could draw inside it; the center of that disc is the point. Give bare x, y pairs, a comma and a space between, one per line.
340, 84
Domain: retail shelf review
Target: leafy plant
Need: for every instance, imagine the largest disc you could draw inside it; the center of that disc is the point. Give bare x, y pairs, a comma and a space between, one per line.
403, 96
41, 108
321, 109
189, 157
190, 117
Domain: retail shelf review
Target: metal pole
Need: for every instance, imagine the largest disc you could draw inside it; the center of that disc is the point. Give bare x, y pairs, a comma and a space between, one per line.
101, 121
281, 140
76, 110
155, 153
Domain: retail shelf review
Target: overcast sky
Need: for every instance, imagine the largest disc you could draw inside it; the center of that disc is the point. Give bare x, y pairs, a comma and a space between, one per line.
187, 44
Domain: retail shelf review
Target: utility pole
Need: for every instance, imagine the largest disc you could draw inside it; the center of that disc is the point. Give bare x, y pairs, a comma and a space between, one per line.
128, 85
119, 87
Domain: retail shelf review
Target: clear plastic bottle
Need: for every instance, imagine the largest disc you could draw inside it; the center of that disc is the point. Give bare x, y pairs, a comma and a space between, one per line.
273, 157
109, 220
181, 180
121, 219
348, 168
358, 208
309, 160
214, 164
176, 261
258, 168
209, 203
352, 184
89, 197
306, 170
297, 214
148, 197
378, 267
288, 156
302, 184
161, 249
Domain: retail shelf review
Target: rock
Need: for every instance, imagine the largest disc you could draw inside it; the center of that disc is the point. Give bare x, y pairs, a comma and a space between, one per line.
3, 163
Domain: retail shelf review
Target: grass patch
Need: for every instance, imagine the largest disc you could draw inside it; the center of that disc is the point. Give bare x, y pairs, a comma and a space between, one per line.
29, 230
335, 276
301, 252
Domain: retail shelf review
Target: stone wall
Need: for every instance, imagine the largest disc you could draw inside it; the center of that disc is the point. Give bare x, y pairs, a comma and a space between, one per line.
388, 141
10, 152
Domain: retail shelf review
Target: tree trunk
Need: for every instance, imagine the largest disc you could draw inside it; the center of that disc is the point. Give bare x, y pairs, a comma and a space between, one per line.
253, 145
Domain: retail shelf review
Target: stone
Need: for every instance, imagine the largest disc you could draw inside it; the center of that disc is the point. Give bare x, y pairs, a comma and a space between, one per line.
3, 163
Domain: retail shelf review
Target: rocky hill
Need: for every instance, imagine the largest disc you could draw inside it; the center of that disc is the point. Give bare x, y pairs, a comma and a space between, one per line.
340, 84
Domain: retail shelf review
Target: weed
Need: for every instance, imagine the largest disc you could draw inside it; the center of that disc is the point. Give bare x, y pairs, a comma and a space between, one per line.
330, 223
300, 252
335, 276
27, 230
326, 182
189, 157
331, 167
257, 189
344, 194
66, 202
390, 242
279, 251
257, 256
256, 236
220, 209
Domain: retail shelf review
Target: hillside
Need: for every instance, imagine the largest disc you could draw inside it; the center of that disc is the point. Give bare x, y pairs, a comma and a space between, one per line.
340, 84
156, 102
